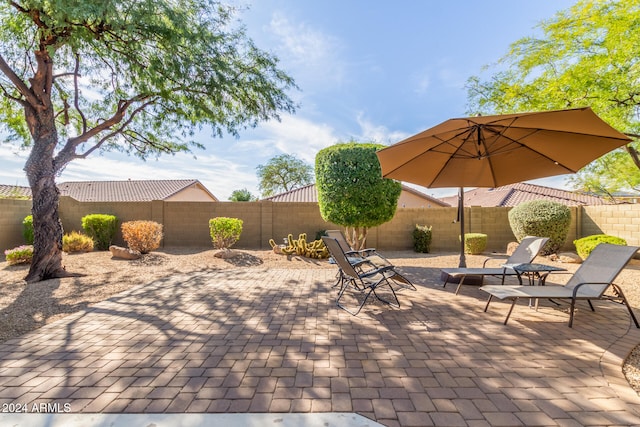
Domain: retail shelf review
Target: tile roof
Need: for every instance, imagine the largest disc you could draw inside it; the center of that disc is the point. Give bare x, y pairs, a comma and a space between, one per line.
514, 194
309, 193
126, 191
14, 192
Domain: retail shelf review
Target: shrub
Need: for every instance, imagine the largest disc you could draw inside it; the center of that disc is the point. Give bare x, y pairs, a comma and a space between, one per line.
542, 218
474, 243
224, 231
20, 255
142, 236
77, 242
422, 238
101, 228
585, 245
27, 229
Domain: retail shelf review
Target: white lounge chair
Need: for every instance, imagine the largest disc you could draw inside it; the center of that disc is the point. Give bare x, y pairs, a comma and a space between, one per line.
590, 281
526, 251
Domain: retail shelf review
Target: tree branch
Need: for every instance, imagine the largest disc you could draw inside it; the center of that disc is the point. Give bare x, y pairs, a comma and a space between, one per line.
76, 95
112, 134
18, 83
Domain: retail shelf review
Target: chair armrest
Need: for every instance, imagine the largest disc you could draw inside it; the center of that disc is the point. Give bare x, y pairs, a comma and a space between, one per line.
376, 271
486, 260
579, 285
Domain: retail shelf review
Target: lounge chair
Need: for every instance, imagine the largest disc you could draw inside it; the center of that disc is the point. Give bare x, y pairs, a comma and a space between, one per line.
590, 281
526, 251
363, 281
370, 254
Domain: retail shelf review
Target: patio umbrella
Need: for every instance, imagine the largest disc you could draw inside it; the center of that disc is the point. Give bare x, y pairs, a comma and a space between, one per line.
492, 151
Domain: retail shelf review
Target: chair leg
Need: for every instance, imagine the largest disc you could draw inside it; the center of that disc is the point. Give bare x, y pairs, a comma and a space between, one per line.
618, 290
510, 310
486, 307
392, 304
591, 305
460, 284
572, 309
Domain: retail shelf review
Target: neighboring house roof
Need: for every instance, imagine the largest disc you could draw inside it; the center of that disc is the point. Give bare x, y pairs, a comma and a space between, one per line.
309, 193
129, 191
14, 192
514, 194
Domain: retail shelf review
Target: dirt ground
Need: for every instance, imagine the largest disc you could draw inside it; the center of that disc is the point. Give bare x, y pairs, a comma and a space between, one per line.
26, 307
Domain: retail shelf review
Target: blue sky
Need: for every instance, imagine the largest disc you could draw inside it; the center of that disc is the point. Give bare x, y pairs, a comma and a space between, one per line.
367, 70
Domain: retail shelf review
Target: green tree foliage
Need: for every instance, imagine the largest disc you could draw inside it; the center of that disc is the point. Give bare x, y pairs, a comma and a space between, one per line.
588, 56
243, 195
283, 173
136, 76
351, 190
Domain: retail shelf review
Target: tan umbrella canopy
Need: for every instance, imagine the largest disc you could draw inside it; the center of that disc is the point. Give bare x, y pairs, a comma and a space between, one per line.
492, 151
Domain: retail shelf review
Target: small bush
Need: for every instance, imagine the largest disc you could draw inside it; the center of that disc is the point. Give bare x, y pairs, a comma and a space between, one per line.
101, 228
542, 218
142, 236
20, 255
474, 243
422, 238
224, 231
27, 229
76, 242
585, 245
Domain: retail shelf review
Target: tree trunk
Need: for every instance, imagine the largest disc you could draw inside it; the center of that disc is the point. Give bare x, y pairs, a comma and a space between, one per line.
41, 172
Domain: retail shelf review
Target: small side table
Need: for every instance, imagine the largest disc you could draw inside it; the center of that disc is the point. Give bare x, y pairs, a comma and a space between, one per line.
536, 274
535, 271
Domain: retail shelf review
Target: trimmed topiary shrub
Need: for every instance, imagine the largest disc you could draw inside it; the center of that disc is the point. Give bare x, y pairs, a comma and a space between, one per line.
224, 232
474, 243
101, 228
20, 255
142, 236
585, 245
422, 238
27, 229
76, 242
542, 218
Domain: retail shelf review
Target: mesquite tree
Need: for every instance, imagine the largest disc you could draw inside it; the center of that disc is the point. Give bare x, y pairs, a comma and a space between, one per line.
352, 191
136, 76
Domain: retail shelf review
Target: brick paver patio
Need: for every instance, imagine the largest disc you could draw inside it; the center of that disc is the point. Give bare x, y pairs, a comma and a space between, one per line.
256, 340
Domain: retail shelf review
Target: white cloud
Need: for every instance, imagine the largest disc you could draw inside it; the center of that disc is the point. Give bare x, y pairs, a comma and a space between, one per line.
293, 135
313, 55
378, 133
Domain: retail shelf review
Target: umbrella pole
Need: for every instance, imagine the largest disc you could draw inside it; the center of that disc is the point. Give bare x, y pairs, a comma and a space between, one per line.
463, 261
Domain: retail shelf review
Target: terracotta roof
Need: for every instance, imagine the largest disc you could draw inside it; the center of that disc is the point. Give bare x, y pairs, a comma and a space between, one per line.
514, 194
14, 191
309, 193
126, 191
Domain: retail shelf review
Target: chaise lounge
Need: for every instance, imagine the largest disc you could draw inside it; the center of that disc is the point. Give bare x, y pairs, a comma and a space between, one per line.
590, 282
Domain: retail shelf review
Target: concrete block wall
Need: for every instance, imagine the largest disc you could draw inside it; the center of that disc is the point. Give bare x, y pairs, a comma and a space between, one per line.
187, 223
616, 220
12, 213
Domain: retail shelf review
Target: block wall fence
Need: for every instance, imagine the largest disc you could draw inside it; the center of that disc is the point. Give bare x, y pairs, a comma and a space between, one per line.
187, 223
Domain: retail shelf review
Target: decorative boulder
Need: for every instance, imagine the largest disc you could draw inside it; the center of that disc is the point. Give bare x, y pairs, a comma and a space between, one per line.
124, 253
226, 254
569, 258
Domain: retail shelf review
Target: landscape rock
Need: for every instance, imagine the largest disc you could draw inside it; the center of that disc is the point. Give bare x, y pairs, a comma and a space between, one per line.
569, 258
124, 253
226, 254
